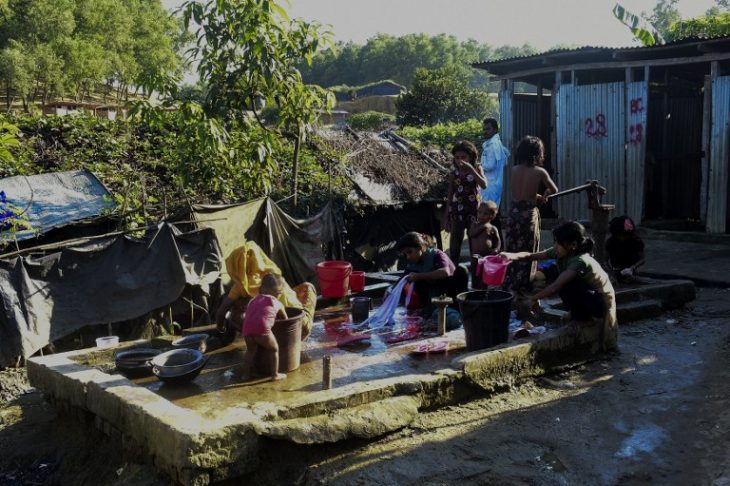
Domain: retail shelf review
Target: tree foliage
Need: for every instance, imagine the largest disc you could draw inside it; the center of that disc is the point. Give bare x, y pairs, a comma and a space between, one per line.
53, 48
371, 120
444, 135
388, 57
441, 95
663, 15
247, 54
706, 26
141, 164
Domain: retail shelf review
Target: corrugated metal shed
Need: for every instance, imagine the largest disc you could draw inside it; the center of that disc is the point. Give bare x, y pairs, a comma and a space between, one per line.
597, 54
719, 155
661, 152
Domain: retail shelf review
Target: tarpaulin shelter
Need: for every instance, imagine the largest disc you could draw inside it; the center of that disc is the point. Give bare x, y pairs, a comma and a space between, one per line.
45, 296
295, 245
53, 200
50, 294
59, 289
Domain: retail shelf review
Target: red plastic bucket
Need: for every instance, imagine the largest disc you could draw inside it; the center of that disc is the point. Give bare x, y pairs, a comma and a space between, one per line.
357, 281
493, 269
334, 277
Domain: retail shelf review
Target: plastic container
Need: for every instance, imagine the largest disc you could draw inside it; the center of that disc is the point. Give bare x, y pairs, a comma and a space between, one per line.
107, 341
360, 308
493, 268
288, 334
357, 281
334, 277
485, 314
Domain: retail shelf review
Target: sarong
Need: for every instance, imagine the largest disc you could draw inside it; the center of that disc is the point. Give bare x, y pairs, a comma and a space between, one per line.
521, 233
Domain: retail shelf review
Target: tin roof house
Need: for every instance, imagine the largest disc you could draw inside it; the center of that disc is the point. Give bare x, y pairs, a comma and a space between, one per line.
651, 124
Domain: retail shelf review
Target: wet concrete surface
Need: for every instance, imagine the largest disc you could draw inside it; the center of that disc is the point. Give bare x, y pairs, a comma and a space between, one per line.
221, 385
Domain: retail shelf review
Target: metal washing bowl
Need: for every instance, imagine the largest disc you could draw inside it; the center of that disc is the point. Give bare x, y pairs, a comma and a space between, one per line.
193, 341
135, 362
178, 365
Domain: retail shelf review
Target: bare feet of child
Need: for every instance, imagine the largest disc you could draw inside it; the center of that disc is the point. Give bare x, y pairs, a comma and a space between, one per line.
278, 376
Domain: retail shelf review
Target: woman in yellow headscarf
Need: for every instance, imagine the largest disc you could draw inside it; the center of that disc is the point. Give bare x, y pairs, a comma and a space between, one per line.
246, 266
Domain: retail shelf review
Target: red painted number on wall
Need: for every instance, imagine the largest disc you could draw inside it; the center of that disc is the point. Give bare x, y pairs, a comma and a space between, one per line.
636, 105
596, 127
636, 133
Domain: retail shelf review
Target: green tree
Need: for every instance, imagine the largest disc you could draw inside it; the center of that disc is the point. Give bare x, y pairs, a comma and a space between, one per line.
247, 53
664, 14
441, 95
387, 57
707, 26
16, 71
78, 46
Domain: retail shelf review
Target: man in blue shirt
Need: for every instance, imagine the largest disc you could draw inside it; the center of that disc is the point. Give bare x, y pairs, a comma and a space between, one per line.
494, 158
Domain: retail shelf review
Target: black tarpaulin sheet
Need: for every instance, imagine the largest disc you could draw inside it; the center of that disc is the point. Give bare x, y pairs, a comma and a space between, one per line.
373, 235
295, 245
46, 297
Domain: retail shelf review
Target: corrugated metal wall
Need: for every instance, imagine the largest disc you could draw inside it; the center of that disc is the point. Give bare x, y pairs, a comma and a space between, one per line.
637, 108
524, 109
719, 156
591, 136
506, 133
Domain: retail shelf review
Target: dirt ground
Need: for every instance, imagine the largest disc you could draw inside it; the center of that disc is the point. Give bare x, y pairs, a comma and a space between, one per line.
657, 413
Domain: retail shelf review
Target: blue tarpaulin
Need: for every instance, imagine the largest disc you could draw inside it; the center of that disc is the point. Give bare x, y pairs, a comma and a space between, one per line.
47, 201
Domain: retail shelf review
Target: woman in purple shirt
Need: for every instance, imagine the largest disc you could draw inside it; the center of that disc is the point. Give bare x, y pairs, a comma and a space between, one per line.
431, 270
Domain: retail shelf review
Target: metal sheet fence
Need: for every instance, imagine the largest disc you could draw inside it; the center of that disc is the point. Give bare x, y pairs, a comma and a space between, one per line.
717, 204
600, 131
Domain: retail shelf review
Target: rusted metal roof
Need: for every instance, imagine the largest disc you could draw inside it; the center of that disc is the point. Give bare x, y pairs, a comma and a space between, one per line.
695, 46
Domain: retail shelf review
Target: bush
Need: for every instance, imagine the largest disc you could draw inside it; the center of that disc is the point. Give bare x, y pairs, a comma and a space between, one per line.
441, 96
371, 120
444, 135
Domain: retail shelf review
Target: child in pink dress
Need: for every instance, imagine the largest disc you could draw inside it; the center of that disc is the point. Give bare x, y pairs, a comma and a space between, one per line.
261, 313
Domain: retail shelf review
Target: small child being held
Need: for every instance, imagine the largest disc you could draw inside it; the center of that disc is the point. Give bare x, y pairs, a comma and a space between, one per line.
624, 248
261, 313
483, 235
483, 238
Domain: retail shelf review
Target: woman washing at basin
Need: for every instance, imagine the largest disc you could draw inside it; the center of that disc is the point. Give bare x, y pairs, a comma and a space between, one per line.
431, 271
261, 313
246, 266
583, 285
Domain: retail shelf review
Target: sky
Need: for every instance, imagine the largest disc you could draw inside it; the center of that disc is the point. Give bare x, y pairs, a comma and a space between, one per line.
542, 23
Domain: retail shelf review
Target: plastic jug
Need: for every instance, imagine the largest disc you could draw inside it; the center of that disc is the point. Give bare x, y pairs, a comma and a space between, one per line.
492, 269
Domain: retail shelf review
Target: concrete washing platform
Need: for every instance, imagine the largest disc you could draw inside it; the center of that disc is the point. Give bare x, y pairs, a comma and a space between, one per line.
213, 428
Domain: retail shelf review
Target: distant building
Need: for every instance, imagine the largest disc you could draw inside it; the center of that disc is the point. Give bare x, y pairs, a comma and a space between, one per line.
63, 108
334, 117
382, 88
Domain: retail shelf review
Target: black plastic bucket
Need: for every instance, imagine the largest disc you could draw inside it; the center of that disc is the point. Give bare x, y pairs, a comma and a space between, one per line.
485, 314
288, 334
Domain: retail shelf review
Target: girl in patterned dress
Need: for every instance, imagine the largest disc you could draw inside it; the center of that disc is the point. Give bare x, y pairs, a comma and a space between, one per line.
465, 182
